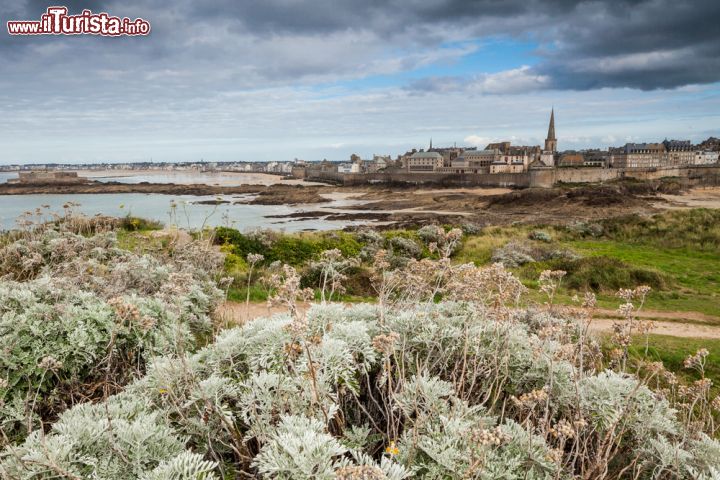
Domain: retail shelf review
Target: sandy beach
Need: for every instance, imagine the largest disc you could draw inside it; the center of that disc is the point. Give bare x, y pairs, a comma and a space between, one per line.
188, 177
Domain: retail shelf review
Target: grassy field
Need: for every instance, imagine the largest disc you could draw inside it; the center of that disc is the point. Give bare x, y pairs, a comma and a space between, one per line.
672, 351
695, 275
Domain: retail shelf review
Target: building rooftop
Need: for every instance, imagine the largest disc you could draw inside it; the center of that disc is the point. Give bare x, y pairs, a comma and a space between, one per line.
426, 155
633, 147
479, 152
678, 144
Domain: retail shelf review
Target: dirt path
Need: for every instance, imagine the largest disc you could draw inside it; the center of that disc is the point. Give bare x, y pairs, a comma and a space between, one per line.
666, 316
673, 329
233, 312
666, 323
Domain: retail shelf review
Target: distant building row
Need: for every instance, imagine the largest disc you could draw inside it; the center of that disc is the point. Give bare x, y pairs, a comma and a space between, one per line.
642, 155
249, 167
669, 153
499, 157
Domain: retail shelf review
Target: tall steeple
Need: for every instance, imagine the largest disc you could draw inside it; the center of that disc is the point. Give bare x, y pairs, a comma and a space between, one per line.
430, 144
551, 141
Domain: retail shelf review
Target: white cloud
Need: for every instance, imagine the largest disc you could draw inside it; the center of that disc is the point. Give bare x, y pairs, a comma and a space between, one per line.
476, 140
516, 80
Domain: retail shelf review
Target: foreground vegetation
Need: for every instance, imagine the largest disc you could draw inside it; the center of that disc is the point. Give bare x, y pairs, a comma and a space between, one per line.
467, 364
81, 317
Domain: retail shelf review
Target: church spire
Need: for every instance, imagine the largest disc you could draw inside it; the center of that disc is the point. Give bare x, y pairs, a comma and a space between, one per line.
551, 128
551, 141
430, 144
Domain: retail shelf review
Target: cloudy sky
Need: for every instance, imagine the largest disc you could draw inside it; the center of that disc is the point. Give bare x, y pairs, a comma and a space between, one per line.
277, 79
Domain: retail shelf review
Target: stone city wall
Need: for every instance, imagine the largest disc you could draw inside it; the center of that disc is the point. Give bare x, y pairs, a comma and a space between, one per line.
541, 177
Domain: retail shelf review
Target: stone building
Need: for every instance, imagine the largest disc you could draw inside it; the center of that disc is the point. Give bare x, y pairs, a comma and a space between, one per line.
679, 152
43, 177
595, 158
378, 163
501, 146
474, 161
669, 153
424, 162
449, 154
346, 168
547, 156
706, 157
571, 159
512, 159
502, 167
638, 155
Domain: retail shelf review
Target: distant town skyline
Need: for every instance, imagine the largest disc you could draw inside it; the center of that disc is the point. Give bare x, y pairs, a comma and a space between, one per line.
249, 81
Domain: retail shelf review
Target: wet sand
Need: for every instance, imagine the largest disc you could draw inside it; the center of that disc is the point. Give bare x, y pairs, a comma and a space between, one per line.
698, 197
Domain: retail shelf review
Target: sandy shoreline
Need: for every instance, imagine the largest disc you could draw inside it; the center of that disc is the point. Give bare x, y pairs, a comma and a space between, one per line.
188, 177
697, 197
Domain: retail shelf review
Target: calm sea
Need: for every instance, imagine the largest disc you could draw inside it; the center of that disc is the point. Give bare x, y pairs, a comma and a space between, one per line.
186, 214
4, 177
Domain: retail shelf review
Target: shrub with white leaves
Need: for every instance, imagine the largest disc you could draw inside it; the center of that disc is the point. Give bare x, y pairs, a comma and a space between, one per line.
86, 318
471, 387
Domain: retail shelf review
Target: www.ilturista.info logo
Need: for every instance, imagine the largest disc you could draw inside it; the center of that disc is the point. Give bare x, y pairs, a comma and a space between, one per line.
56, 21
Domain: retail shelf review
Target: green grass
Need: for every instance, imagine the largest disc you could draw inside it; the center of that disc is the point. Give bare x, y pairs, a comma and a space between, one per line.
479, 248
137, 241
697, 229
239, 294
138, 224
683, 281
672, 351
695, 274
695, 270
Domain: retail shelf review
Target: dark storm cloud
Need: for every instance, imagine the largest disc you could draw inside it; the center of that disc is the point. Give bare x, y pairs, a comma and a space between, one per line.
650, 45
584, 44
35, 8
226, 44
388, 19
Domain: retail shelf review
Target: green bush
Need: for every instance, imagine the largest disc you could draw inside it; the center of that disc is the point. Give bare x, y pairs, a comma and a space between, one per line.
599, 274
292, 249
134, 224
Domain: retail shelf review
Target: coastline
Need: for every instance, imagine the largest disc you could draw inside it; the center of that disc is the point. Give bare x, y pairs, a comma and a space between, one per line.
400, 205
265, 194
190, 177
